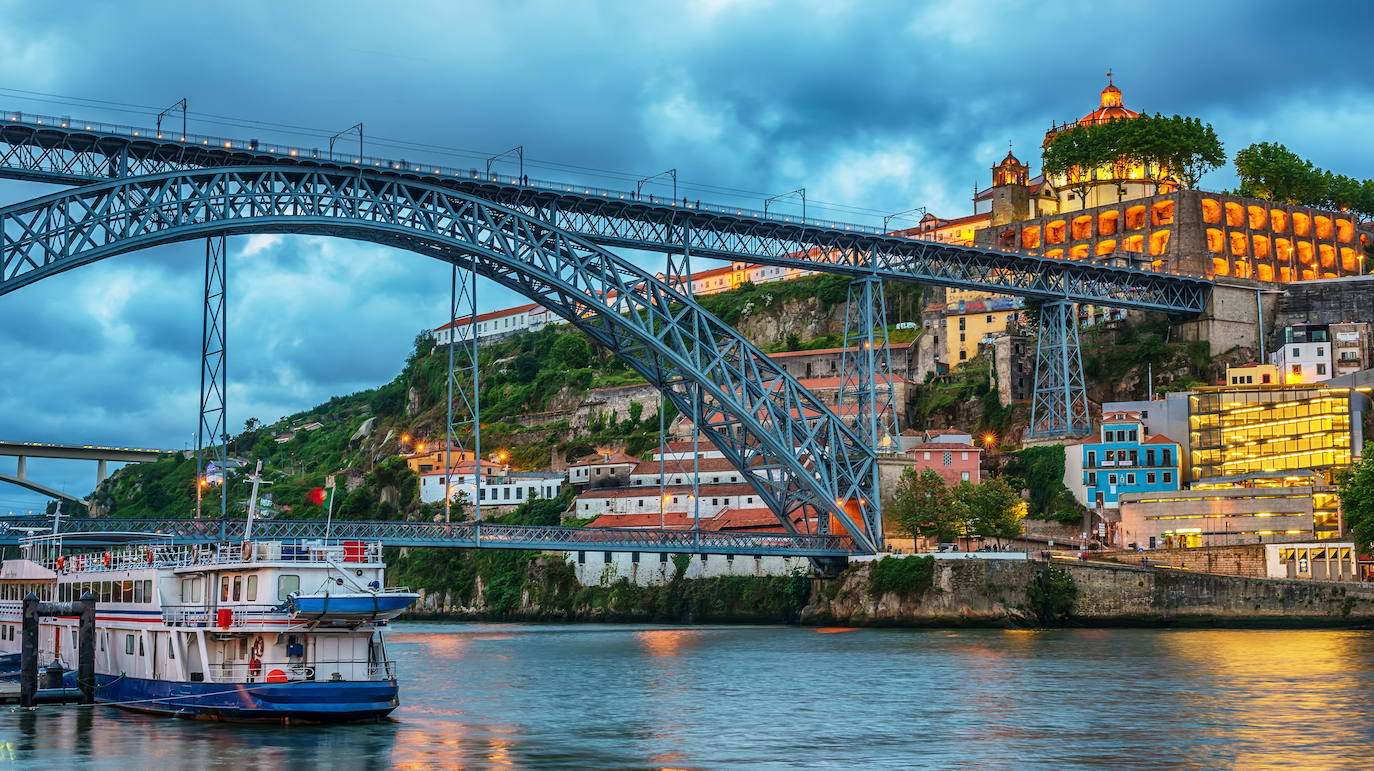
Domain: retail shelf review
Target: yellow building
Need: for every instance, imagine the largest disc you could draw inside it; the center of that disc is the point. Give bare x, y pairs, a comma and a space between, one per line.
1253, 373
1268, 429
431, 458
966, 317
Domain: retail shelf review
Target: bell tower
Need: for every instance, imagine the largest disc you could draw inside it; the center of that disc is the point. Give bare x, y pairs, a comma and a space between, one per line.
1010, 191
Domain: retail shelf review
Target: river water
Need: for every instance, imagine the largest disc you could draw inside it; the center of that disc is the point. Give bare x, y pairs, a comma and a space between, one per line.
590, 696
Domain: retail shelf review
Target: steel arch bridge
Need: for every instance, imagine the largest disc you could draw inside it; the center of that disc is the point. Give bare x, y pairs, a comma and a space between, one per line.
70, 152
809, 467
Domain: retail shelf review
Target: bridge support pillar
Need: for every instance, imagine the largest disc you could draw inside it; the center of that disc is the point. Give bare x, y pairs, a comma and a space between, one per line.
212, 428
1059, 408
101, 470
866, 384
22, 467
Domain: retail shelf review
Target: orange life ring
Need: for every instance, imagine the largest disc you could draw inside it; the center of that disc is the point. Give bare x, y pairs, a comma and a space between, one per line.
276, 676
107, 559
60, 562
150, 556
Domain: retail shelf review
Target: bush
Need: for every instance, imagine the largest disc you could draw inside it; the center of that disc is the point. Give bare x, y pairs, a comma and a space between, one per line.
904, 576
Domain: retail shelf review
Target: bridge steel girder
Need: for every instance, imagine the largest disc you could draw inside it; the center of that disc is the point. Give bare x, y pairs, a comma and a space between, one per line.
81, 154
458, 535
808, 464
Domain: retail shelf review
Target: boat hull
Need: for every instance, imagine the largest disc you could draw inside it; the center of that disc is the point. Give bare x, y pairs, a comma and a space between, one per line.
294, 702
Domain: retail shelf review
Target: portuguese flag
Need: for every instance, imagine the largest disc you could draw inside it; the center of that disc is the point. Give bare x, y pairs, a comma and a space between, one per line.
321, 496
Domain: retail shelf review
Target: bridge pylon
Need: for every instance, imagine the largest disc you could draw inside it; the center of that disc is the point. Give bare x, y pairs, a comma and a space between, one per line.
1059, 407
212, 427
866, 382
463, 415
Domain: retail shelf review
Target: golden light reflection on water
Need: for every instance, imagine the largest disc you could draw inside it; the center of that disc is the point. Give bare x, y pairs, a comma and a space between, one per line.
1262, 688
667, 643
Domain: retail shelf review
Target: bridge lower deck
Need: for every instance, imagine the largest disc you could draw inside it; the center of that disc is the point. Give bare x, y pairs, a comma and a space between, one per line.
459, 535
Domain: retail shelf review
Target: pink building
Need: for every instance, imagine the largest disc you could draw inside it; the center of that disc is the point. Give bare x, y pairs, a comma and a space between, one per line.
954, 461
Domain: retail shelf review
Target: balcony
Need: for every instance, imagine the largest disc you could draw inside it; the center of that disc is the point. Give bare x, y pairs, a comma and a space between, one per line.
235, 618
297, 672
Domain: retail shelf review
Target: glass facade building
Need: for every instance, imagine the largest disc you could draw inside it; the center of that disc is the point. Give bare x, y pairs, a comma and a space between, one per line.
1236, 431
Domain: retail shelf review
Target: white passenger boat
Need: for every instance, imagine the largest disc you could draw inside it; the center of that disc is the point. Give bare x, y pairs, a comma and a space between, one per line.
259, 631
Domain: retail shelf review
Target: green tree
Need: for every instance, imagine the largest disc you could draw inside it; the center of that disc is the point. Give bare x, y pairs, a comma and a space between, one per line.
1075, 155
1271, 171
571, 351
921, 505
995, 510
1186, 147
1356, 489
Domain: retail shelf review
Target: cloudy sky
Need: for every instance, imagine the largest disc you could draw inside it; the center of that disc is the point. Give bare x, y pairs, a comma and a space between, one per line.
873, 107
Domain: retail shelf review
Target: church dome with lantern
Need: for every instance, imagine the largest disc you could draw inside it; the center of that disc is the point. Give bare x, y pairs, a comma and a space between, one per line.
1110, 107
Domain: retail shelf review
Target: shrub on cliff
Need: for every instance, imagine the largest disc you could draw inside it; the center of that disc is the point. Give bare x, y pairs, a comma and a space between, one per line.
1052, 594
905, 576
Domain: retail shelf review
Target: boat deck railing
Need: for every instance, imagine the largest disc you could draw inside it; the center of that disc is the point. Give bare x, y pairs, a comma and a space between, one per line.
235, 617
166, 555
297, 672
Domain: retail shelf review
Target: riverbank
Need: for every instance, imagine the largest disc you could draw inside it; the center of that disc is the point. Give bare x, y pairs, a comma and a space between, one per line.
922, 592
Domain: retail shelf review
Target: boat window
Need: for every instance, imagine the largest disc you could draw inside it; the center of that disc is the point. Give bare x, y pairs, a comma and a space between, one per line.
171, 648
148, 590
287, 584
238, 588
129, 644
224, 589
195, 590
102, 641
186, 590
251, 591
126, 591
140, 645
139, 596
105, 591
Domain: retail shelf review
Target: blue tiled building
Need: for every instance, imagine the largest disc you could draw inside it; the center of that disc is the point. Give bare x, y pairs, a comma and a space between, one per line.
1120, 459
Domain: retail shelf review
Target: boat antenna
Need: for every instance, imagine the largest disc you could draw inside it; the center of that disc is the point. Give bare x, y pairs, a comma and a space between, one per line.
253, 501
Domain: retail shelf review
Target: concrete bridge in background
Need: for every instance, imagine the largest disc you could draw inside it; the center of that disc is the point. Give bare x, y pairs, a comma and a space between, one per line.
103, 456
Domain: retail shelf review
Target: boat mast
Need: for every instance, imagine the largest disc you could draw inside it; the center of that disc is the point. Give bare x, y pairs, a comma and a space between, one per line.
253, 501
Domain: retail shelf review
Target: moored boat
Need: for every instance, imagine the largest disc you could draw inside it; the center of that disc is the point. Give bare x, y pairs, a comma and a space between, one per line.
219, 632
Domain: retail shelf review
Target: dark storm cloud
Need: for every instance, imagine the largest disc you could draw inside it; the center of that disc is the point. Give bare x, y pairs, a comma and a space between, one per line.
879, 105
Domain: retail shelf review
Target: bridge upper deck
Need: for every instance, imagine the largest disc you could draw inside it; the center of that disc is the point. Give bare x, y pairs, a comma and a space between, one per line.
66, 151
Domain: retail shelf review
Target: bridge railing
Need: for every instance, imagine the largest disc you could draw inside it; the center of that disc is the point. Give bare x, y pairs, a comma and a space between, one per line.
471, 173
455, 534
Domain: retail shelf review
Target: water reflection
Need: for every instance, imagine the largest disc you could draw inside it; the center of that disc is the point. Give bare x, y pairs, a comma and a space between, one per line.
708, 697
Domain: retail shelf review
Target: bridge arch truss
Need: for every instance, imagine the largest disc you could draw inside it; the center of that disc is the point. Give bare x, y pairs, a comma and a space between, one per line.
809, 467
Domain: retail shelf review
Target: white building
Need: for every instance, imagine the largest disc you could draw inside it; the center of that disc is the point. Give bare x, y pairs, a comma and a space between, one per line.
605, 468
498, 325
501, 487
1305, 356
711, 500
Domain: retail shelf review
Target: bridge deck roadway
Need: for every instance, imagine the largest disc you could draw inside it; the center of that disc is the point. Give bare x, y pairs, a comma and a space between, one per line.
462, 535
65, 151
80, 452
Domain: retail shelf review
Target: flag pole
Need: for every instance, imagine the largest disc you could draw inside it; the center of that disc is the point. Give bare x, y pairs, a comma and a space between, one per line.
329, 513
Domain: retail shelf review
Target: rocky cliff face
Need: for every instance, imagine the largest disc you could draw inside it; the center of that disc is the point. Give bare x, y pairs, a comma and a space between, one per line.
771, 324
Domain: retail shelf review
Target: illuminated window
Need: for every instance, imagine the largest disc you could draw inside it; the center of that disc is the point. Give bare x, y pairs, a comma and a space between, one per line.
1349, 260
1239, 247
1135, 217
1030, 237
1082, 227
1328, 255
1323, 224
1257, 218
1216, 242
1283, 249
1211, 211
1054, 232
1302, 224
1221, 266
1079, 252
1261, 245
1106, 247
1305, 252
1135, 244
1162, 213
1159, 242
1345, 231
1107, 223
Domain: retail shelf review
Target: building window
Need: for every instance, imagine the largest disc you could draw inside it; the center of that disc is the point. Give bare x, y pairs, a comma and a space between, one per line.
1133, 435
948, 459
1150, 478
963, 355
926, 456
961, 326
1164, 459
1168, 477
1296, 369
1296, 353
963, 475
1321, 351
1092, 459
1111, 479
989, 319
963, 456
1264, 379
1092, 479
1150, 458
1321, 369
1130, 479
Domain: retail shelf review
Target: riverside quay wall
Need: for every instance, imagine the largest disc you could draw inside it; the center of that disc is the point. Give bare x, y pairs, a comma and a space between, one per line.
917, 591
1015, 593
